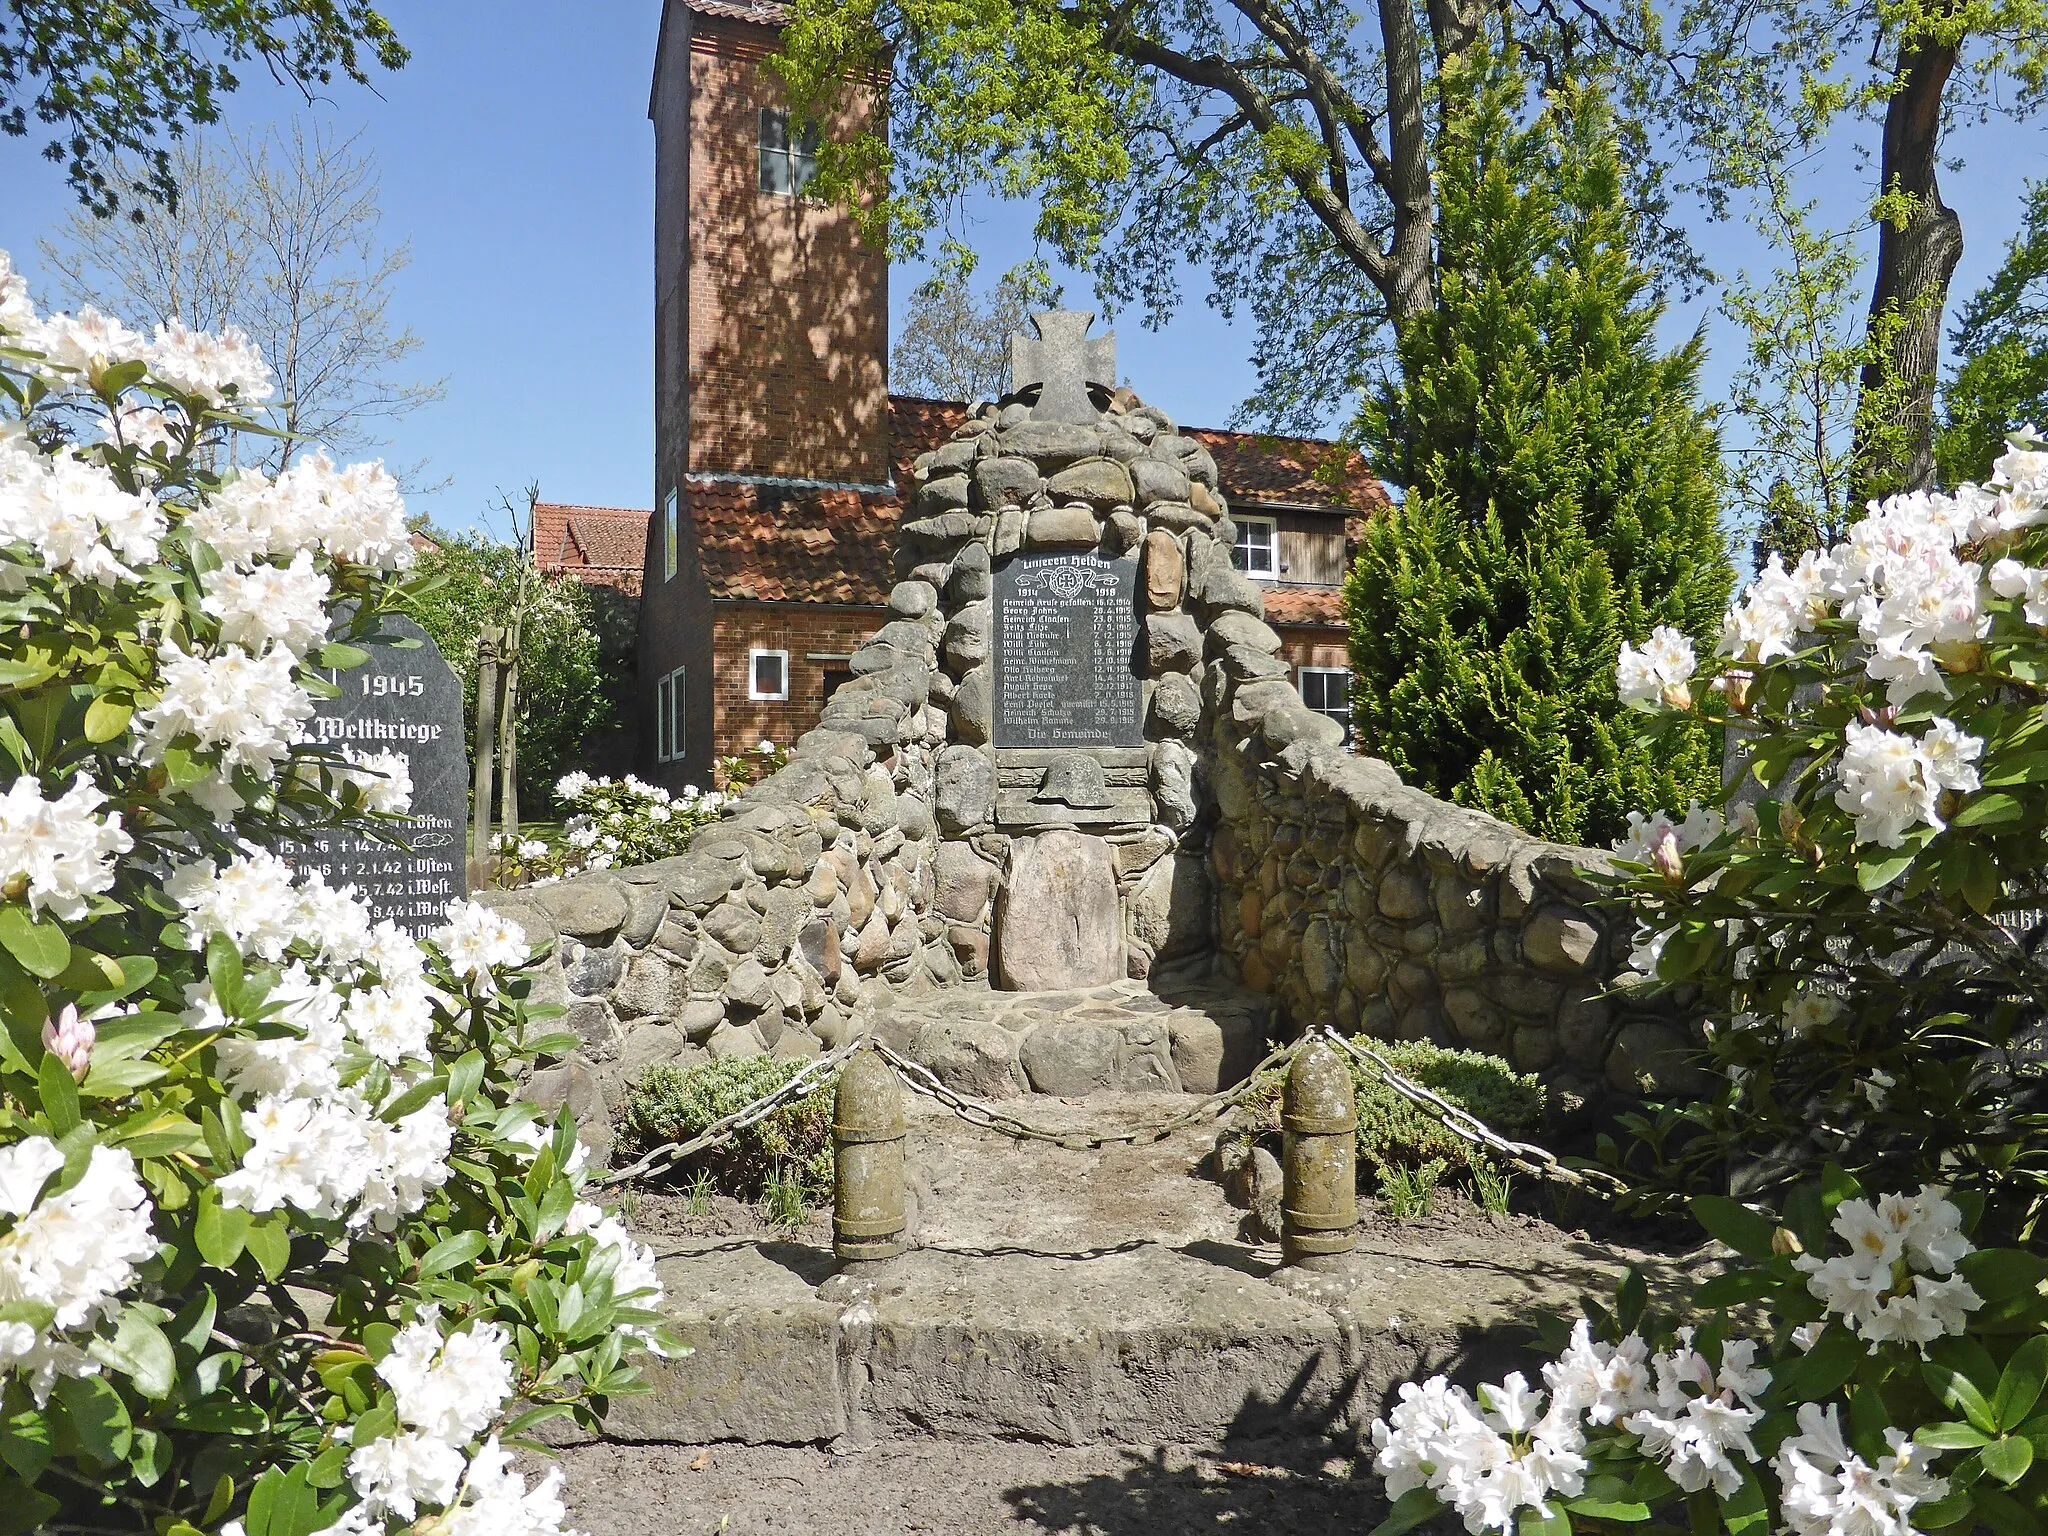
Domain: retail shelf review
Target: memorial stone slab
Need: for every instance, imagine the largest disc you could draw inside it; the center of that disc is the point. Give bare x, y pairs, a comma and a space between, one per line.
409, 701
1065, 630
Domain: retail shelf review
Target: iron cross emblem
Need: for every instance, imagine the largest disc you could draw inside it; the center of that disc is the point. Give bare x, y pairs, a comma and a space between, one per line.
1063, 361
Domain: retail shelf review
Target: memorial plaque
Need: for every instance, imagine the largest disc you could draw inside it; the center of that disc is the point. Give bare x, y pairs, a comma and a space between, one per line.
1066, 628
409, 701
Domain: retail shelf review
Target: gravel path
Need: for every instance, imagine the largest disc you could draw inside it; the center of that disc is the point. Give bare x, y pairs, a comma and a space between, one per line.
951, 1488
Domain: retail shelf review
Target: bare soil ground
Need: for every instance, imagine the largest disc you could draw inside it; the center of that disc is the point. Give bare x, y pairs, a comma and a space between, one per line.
956, 1488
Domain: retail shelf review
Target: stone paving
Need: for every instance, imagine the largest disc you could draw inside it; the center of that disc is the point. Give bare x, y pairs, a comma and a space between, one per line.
1123, 1037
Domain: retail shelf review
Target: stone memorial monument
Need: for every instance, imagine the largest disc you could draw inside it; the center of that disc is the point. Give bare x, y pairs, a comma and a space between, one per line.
406, 700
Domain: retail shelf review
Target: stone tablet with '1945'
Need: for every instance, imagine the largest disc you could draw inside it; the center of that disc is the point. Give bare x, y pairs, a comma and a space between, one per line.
1066, 628
409, 701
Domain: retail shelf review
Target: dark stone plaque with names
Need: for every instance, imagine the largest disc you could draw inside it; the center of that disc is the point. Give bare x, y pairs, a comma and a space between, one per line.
1066, 628
409, 701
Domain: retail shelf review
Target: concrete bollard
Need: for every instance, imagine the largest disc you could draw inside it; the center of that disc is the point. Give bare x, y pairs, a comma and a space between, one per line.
1319, 1191
868, 1209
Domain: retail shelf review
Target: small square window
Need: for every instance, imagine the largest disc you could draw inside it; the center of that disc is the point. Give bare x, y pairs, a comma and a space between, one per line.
768, 674
788, 161
1327, 691
1256, 552
836, 678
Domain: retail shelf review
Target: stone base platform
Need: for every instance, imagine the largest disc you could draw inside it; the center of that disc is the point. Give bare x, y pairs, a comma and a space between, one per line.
1193, 1037
1080, 1297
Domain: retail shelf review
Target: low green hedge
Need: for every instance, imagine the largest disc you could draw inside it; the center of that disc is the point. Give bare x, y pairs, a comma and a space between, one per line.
672, 1103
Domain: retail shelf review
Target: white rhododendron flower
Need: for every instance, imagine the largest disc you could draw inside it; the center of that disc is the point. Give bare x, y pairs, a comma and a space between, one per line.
248, 708
249, 899
307, 1153
266, 605
498, 1501
1603, 1381
213, 367
141, 426
73, 1252
449, 1387
87, 342
635, 1279
1897, 1283
385, 779
354, 514
1655, 676
1487, 1464
1891, 782
74, 514
56, 853
1703, 1414
1809, 1010
17, 314
1828, 1490
1778, 607
475, 939
398, 1474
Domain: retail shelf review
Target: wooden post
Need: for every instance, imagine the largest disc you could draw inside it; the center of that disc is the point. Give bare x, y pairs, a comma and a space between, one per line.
508, 740
488, 648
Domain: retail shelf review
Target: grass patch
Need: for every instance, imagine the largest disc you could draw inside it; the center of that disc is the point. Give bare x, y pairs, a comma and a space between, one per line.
791, 1148
1409, 1194
1397, 1136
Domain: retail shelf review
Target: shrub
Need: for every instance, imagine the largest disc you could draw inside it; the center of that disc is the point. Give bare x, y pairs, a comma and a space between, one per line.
1864, 923
613, 823
672, 1103
279, 1250
1394, 1134
1892, 1388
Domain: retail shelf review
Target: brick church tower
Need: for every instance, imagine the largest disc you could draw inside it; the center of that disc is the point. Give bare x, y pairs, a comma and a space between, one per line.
772, 431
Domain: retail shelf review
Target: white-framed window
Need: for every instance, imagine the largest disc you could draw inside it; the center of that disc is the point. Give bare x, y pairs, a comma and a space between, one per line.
671, 535
1257, 550
1327, 691
671, 738
767, 674
788, 161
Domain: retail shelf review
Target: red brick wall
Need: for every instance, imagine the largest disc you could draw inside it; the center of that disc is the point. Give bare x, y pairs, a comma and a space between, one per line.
787, 329
803, 630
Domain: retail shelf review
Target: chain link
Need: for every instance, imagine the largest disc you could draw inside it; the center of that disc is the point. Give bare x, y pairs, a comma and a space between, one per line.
1465, 1125
666, 1156
921, 1080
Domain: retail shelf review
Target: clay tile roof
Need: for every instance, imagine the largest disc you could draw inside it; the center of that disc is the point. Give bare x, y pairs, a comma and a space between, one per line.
766, 14
916, 426
1305, 605
606, 546
773, 544
1304, 471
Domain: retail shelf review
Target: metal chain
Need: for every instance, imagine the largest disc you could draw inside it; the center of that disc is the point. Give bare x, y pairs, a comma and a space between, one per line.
666, 1156
1465, 1125
921, 1080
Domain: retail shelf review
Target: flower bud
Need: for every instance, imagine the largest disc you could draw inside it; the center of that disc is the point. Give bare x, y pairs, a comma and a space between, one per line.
1677, 696
1666, 859
70, 1038
1785, 1243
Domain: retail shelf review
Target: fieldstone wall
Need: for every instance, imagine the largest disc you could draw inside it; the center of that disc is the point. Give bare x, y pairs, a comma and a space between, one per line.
902, 852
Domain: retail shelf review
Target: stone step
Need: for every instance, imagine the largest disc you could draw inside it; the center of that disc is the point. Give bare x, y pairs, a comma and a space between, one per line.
1083, 1297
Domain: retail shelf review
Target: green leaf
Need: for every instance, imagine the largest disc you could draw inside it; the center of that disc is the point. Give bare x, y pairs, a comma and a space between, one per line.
1878, 871
341, 657
97, 1416
451, 1252
1621, 1510
1988, 810
1746, 1510
25, 1444
1958, 1391
283, 1504
140, 1352
1748, 1232
1736, 1287
1409, 1511
1532, 1523
58, 1093
23, 1508
106, 718
40, 947
224, 970
1818, 1372
1953, 1435
269, 1241
221, 1231
465, 1076
2005, 1514
2019, 1386
2008, 1459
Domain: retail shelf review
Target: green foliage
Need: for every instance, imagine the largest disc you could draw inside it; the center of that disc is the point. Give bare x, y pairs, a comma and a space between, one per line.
2000, 383
1493, 1186
1410, 1193
1560, 489
613, 823
575, 649
1396, 1135
792, 1145
114, 79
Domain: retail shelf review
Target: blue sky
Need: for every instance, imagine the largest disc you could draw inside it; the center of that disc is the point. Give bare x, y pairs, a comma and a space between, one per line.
517, 159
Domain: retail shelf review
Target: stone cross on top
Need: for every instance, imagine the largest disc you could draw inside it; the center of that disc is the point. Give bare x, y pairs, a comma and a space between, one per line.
1063, 361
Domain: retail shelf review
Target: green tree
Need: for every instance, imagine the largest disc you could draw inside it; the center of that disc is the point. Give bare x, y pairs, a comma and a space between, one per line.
1560, 494
2000, 382
955, 345
573, 675
108, 80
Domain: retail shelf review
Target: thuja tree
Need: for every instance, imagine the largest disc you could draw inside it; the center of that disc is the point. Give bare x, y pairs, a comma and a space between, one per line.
1560, 488
280, 1252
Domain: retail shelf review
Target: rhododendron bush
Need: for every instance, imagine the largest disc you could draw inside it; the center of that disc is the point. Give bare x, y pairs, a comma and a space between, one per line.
1862, 912
1862, 1370
279, 1250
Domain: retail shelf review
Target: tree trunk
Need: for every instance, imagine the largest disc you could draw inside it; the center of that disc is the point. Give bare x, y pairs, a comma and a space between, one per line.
1916, 257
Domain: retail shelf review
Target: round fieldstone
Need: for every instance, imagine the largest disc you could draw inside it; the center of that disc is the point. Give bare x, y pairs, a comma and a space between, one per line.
972, 1056
1070, 1058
